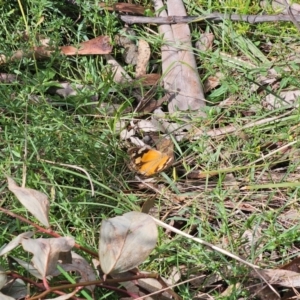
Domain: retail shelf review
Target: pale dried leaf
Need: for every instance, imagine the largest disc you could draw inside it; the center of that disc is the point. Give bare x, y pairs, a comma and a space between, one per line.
143, 58
205, 42
28, 267
46, 252
148, 126
119, 74
126, 40
36, 202
16, 288
15, 242
4, 297
280, 277
174, 277
289, 218
213, 81
252, 241
136, 141
284, 6
286, 99
3, 278
82, 267
271, 77
127, 134
126, 241
230, 289
151, 285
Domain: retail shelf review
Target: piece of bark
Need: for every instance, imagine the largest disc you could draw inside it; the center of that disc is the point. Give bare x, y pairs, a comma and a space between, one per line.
178, 63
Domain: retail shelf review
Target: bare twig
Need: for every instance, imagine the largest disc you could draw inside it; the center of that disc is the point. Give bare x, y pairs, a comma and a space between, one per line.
213, 17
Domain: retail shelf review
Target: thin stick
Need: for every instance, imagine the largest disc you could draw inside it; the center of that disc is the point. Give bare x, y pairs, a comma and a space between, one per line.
213, 17
202, 242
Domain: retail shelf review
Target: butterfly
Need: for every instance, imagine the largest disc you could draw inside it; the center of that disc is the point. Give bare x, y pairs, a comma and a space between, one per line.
148, 161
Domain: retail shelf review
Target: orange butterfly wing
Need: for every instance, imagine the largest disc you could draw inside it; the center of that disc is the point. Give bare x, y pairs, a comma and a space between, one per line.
148, 162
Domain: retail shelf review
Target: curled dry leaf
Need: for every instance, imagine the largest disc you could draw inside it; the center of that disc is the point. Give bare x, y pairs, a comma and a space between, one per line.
205, 42
119, 74
15, 242
142, 59
82, 267
213, 81
126, 241
36, 202
46, 252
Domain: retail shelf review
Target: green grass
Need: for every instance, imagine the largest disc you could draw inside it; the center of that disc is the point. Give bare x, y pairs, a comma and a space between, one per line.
37, 127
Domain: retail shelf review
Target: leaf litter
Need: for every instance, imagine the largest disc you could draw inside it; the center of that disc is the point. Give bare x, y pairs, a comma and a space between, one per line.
178, 64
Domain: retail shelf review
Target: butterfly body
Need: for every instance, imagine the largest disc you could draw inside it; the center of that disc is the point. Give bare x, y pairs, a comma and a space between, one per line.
148, 161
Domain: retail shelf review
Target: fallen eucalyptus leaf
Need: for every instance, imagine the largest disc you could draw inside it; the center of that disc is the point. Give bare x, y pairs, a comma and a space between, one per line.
36, 202
46, 252
126, 241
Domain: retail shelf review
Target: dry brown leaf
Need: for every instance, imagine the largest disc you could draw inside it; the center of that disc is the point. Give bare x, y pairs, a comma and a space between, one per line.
126, 241
142, 59
125, 7
36, 202
293, 265
8, 78
98, 45
148, 79
213, 81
